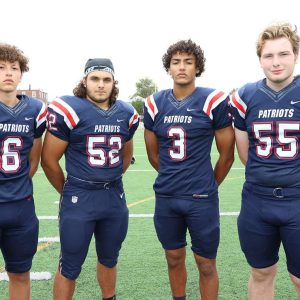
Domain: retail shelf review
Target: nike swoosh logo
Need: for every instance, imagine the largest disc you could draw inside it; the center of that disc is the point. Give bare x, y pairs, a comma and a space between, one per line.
120, 120
27, 119
121, 195
191, 109
294, 102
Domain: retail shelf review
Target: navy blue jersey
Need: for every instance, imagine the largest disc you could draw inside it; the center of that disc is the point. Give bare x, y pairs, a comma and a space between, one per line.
272, 121
96, 137
185, 131
19, 126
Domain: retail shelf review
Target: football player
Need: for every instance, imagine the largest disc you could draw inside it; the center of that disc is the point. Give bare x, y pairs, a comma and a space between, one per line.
22, 123
267, 128
94, 131
180, 126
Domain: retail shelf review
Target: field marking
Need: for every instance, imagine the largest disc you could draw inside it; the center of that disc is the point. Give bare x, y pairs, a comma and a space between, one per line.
33, 276
43, 246
48, 217
148, 170
142, 170
232, 178
228, 213
49, 240
140, 201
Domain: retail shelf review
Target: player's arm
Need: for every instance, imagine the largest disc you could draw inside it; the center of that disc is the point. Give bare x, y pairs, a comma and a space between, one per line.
225, 144
127, 154
35, 156
53, 150
152, 148
242, 144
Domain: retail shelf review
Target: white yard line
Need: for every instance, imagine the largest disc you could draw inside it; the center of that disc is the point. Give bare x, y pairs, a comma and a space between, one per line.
33, 276
148, 170
229, 213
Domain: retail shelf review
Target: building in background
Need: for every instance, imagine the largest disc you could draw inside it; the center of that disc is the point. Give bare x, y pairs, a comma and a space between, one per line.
38, 94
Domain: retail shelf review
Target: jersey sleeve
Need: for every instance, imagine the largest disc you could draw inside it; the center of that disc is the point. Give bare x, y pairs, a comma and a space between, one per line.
40, 121
150, 111
238, 110
133, 124
62, 118
218, 110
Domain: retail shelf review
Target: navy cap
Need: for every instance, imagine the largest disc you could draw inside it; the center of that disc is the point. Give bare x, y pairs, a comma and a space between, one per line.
98, 64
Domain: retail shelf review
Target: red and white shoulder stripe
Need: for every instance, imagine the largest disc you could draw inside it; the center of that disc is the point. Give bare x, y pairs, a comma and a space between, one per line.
239, 104
151, 107
212, 101
134, 119
65, 110
42, 116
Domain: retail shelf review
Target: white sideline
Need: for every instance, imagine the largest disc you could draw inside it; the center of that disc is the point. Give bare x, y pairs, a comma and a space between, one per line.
148, 170
33, 276
49, 239
229, 213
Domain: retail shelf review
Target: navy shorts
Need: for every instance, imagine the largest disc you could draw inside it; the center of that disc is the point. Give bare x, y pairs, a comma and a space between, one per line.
268, 218
173, 217
87, 212
19, 230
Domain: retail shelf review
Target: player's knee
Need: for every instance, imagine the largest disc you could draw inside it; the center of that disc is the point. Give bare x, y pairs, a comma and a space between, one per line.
264, 274
207, 269
19, 277
175, 258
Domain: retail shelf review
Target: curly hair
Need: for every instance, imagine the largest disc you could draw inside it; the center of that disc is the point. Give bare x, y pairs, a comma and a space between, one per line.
80, 91
185, 46
276, 31
12, 54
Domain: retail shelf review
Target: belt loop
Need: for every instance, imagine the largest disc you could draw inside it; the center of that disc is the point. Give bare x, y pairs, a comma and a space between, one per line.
278, 192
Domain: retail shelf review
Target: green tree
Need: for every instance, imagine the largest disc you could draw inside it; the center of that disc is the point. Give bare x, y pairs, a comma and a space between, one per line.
138, 104
144, 88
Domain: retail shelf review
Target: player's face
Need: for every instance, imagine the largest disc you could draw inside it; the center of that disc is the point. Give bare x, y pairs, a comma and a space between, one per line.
278, 62
99, 86
10, 76
183, 68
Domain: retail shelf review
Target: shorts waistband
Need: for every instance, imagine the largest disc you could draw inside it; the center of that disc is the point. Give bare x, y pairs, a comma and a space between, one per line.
92, 185
277, 192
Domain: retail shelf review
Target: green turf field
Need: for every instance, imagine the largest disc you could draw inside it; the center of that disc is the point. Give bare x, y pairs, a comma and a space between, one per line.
142, 271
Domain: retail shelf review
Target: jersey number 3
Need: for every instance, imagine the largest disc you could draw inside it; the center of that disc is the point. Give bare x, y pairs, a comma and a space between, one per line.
178, 149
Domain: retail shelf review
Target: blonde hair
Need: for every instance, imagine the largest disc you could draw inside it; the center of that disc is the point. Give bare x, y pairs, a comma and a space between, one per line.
276, 31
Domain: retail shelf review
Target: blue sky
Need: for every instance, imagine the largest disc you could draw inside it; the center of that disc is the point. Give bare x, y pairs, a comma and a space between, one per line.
59, 36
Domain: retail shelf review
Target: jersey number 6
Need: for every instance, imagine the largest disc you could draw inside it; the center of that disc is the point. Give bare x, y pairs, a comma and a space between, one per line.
10, 158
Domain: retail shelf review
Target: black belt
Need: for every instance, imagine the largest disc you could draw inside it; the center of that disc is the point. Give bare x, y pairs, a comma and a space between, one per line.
276, 192
92, 185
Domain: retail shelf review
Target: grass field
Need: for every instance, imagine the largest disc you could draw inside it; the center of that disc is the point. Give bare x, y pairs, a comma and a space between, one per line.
142, 271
